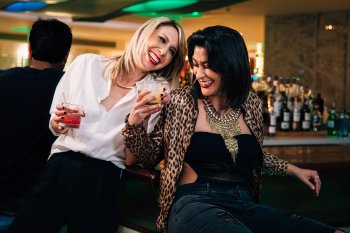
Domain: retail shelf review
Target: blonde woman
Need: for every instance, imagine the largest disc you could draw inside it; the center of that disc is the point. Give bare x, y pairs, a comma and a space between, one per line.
81, 182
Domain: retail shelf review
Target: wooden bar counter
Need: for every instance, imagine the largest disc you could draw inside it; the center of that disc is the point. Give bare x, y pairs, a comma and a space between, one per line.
323, 152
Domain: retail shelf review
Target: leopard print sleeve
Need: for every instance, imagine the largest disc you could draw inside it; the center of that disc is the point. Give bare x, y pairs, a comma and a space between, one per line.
272, 165
145, 147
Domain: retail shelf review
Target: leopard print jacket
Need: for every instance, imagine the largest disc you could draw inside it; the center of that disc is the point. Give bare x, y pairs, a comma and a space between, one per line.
173, 134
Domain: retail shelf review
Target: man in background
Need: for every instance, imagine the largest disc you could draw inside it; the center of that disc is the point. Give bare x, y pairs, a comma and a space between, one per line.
25, 99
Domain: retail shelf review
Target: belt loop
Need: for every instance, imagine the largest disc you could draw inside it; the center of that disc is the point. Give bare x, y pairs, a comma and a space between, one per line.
208, 187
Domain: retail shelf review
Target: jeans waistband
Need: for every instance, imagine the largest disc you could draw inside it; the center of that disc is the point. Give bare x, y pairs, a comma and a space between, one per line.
216, 190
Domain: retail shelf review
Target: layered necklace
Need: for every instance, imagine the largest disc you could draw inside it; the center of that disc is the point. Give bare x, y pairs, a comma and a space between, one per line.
225, 124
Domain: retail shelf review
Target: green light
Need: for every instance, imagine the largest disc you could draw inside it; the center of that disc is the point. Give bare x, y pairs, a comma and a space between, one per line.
20, 29
158, 5
171, 15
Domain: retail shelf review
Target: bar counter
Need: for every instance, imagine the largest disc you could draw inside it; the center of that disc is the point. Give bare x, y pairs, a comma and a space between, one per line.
306, 141
310, 150
331, 158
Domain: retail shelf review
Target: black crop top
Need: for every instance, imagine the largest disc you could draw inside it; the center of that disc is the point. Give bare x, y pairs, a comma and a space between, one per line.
210, 159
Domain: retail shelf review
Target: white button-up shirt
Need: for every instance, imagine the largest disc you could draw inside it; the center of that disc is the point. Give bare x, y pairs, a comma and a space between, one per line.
86, 83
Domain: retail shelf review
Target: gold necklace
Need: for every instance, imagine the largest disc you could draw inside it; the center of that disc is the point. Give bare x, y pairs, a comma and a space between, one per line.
224, 124
115, 81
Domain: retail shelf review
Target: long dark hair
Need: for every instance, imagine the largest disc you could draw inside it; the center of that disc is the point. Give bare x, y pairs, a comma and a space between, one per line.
228, 56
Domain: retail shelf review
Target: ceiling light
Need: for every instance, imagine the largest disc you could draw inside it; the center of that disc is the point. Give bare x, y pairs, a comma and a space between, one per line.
55, 1
25, 6
175, 16
158, 5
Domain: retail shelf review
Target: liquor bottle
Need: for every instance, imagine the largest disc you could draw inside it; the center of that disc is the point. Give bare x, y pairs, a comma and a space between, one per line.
320, 102
296, 124
285, 123
306, 116
275, 83
281, 86
272, 124
316, 118
331, 127
343, 131
287, 85
265, 111
277, 107
294, 89
269, 82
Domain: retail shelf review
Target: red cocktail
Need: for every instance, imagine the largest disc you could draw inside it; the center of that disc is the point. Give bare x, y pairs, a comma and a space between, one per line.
72, 117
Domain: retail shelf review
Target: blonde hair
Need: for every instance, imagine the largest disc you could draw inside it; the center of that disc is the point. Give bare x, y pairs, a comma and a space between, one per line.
132, 56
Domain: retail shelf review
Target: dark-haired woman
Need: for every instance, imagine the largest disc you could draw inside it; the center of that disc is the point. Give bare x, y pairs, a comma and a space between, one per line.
212, 136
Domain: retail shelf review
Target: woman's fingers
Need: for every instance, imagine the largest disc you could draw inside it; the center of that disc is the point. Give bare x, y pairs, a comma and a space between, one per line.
317, 182
314, 182
146, 110
142, 108
164, 98
59, 115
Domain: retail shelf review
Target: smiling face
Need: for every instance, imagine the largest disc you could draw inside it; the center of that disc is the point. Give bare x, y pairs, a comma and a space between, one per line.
209, 80
162, 47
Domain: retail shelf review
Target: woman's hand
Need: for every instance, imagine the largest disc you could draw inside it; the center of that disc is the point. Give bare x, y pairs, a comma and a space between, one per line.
141, 110
306, 176
59, 115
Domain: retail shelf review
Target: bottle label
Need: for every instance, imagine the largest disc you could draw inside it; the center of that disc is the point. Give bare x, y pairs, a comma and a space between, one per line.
272, 129
307, 116
286, 116
331, 124
284, 125
273, 120
277, 105
305, 125
296, 116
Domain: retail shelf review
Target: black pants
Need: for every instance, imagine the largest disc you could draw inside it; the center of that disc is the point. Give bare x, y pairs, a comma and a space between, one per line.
204, 208
76, 190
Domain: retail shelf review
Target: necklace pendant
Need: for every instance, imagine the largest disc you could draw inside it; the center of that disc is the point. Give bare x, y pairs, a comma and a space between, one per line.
232, 146
225, 124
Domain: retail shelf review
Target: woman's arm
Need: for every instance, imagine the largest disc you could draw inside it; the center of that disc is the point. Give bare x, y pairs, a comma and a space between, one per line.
273, 165
140, 146
253, 116
62, 95
129, 157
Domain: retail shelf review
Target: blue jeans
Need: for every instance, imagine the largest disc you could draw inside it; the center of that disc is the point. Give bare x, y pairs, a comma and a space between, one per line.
204, 207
